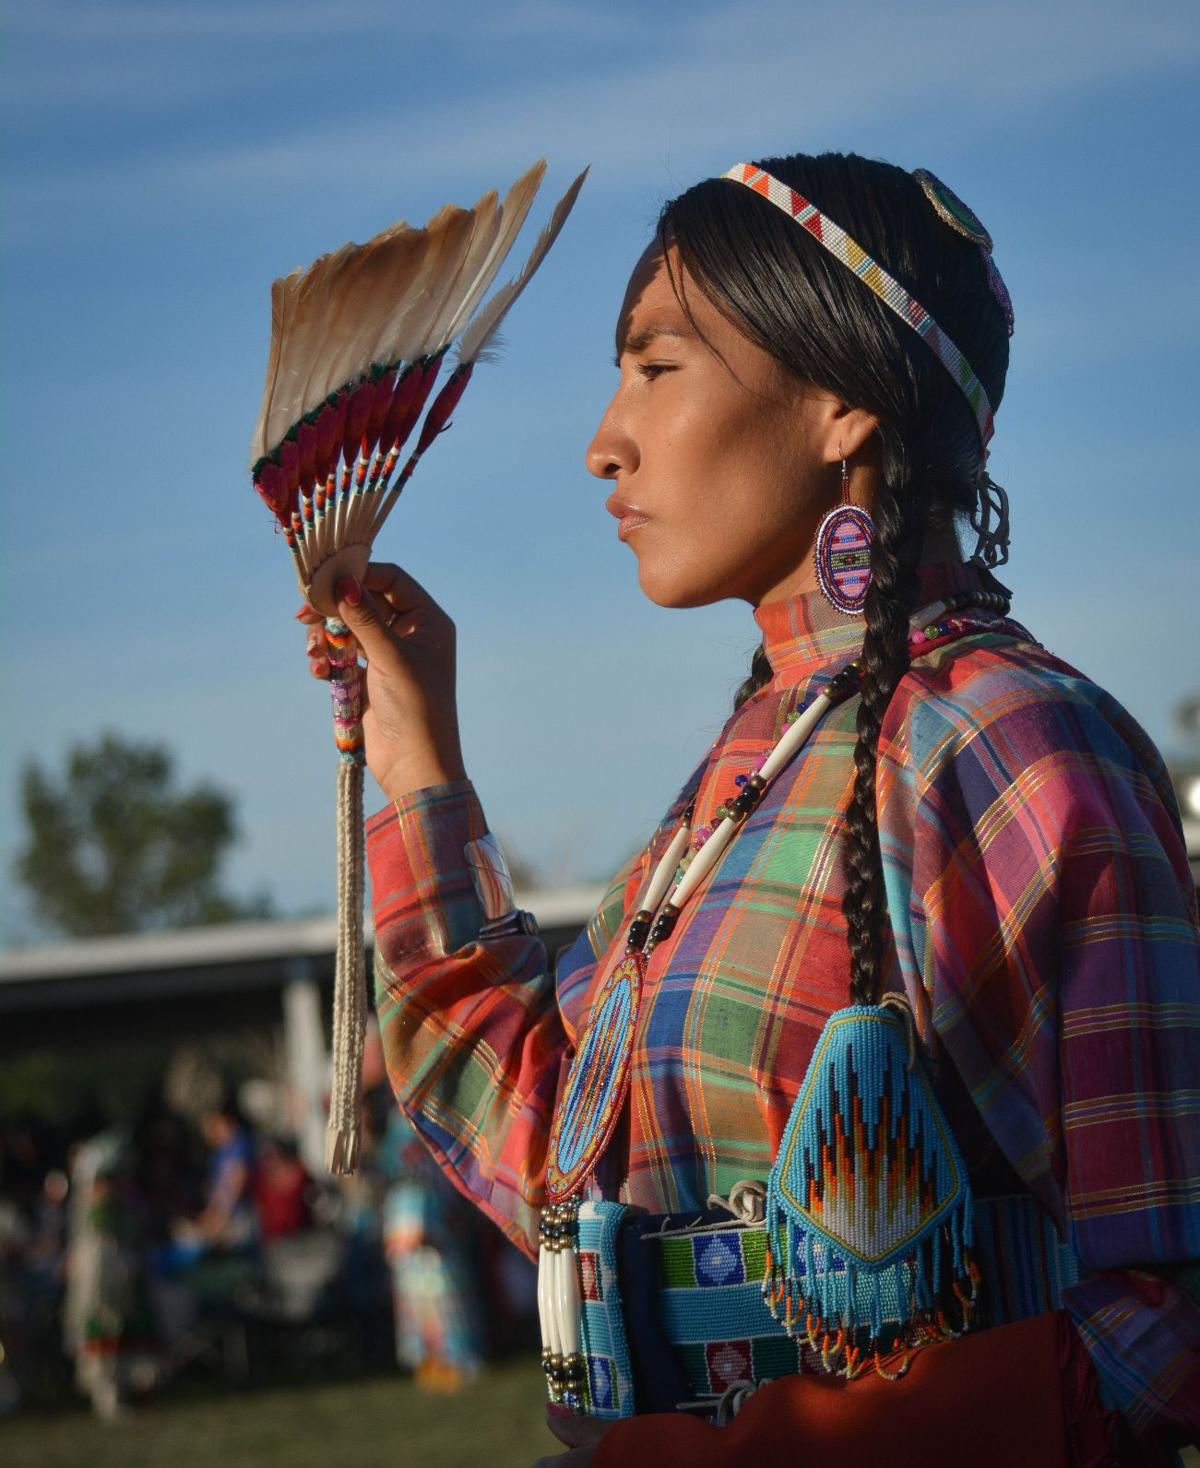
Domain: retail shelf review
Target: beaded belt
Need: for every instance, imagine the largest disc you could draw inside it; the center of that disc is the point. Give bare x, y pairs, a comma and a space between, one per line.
649, 1314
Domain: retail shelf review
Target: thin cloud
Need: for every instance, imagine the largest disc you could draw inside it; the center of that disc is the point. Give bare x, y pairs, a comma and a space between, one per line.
678, 110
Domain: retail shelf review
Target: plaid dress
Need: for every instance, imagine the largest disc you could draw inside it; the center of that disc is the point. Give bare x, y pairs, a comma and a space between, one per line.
1043, 925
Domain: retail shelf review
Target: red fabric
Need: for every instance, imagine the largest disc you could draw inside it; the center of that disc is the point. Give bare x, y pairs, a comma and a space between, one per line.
281, 1197
1000, 1399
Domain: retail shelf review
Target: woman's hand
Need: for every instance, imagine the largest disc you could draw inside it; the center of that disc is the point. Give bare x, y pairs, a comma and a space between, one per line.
410, 716
578, 1434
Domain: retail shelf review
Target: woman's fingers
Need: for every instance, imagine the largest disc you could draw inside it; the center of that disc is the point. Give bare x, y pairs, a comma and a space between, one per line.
317, 651
315, 647
406, 597
386, 579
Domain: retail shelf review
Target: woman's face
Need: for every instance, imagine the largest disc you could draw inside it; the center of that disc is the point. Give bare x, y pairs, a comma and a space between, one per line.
721, 469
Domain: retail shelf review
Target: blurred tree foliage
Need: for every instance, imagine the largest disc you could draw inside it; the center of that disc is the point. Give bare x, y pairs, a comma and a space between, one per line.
113, 846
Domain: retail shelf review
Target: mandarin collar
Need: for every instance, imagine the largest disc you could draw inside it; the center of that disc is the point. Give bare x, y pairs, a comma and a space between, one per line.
803, 632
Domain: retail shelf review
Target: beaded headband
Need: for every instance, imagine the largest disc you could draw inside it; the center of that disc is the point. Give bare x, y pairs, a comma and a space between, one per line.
951, 209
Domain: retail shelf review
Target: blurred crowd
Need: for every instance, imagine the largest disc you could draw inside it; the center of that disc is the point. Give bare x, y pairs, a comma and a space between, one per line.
134, 1252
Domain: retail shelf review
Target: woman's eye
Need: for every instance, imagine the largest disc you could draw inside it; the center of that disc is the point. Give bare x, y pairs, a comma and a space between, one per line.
652, 369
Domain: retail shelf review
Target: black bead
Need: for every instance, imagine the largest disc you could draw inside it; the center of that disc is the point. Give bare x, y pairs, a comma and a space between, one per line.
664, 925
639, 930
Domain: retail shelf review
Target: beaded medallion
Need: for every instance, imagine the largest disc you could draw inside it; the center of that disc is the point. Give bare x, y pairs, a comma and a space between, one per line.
951, 209
843, 557
596, 1087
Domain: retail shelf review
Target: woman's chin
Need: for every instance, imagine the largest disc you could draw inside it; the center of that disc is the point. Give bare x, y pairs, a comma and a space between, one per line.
672, 588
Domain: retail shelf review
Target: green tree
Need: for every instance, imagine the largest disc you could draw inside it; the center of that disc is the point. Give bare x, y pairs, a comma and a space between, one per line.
114, 847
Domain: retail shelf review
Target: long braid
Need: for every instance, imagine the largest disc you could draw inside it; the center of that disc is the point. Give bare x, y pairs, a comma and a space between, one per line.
900, 517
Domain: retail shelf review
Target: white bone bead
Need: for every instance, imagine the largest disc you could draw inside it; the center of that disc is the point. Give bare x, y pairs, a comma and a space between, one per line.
545, 1291
796, 735
704, 861
665, 871
568, 1300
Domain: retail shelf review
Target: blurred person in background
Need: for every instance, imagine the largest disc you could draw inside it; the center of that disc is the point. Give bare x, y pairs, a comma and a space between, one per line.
282, 1189
106, 1319
427, 1243
213, 1252
227, 1220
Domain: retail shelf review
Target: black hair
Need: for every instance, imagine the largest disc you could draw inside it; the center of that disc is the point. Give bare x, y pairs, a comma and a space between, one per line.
786, 293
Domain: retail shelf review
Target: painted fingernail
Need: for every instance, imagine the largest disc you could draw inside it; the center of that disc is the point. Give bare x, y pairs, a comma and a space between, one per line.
346, 588
302, 613
319, 666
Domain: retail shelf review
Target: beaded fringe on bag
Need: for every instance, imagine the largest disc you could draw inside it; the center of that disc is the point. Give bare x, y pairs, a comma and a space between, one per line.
868, 1211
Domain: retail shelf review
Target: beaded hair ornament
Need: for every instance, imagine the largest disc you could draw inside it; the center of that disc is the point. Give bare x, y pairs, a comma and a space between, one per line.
845, 538
357, 342
952, 211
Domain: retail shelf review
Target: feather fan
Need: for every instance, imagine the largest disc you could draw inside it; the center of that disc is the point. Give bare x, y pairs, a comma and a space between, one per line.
357, 342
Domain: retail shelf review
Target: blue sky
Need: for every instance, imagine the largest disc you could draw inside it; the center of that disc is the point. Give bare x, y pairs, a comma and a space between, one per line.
165, 160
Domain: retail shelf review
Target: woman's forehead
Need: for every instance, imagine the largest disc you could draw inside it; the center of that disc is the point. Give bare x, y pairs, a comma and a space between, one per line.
651, 307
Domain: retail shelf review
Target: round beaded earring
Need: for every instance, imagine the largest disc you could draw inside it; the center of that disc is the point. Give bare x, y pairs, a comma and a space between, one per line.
843, 552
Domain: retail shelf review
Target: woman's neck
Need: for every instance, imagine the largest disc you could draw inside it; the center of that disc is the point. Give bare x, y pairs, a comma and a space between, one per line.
939, 545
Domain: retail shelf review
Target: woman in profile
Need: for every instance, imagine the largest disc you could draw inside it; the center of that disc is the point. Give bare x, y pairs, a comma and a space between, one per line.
858, 1116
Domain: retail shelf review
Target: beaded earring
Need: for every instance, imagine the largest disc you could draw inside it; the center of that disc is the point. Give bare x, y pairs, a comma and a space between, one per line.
843, 552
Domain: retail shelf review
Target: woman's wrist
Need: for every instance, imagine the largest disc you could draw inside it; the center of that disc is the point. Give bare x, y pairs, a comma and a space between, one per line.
417, 773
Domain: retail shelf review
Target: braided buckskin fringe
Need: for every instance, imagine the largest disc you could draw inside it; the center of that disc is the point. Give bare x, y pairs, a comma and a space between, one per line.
350, 987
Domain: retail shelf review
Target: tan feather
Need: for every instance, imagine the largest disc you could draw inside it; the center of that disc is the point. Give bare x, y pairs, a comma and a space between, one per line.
512, 215
486, 323
483, 233
350, 338
304, 297
279, 298
444, 267
322, 294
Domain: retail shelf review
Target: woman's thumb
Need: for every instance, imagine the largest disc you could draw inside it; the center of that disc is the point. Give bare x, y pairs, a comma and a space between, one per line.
360, 612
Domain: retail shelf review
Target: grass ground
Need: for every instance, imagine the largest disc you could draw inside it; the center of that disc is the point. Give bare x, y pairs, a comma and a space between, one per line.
381, 1423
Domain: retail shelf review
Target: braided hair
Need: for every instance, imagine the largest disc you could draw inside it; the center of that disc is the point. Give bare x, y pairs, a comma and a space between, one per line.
784, 292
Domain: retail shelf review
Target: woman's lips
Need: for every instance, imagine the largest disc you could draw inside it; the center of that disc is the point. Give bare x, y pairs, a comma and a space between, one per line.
628, 523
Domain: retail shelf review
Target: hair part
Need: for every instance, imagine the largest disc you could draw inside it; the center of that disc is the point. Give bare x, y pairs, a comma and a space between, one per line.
783, 290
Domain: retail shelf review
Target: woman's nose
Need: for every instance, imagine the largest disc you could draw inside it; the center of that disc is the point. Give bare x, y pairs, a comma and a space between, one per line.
611, 451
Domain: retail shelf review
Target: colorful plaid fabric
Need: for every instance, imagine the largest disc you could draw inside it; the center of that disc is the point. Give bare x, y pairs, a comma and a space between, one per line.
1045, 929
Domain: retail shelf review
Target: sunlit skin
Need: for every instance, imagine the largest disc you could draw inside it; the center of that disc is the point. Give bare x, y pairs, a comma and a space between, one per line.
732, 461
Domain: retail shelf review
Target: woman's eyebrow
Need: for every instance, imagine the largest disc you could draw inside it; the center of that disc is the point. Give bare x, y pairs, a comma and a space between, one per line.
638, 340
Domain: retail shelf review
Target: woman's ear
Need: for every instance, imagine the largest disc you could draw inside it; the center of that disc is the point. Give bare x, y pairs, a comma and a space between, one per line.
845, 432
